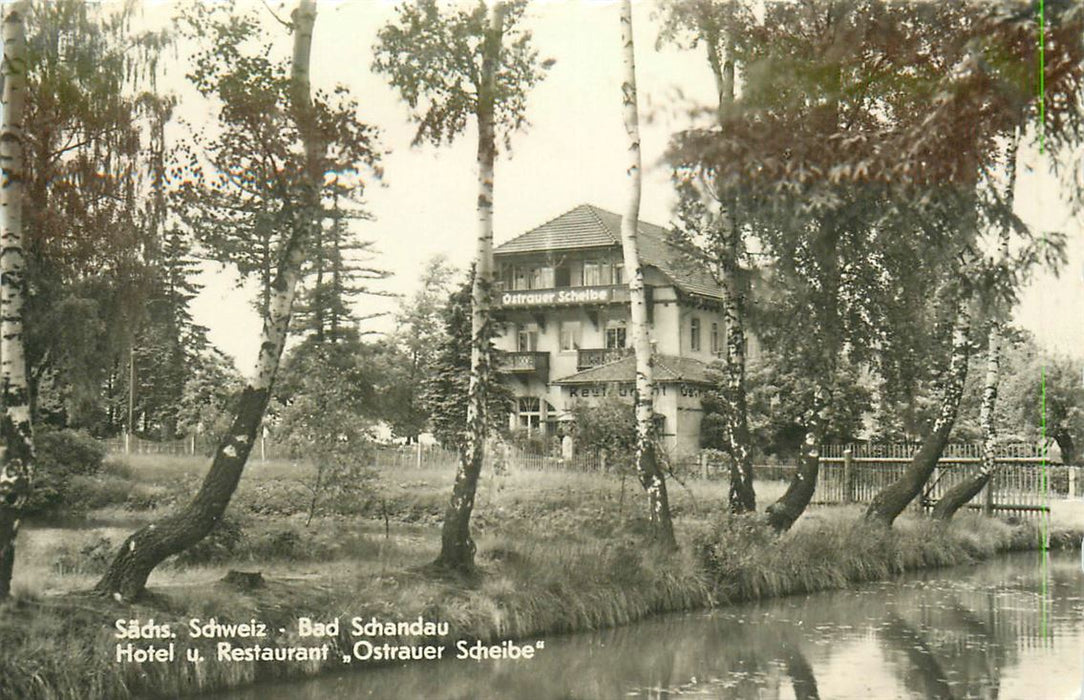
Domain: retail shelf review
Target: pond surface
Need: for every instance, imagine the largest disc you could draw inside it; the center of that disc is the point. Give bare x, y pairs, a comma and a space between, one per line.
1009, 629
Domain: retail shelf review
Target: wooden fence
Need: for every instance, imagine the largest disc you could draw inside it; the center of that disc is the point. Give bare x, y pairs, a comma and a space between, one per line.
1023, 483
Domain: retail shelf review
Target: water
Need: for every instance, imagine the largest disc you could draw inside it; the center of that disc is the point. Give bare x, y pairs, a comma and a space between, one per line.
995, 630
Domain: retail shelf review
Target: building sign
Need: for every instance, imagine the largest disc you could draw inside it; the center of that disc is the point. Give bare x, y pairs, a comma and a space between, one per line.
624, 390
627, 390
582, 295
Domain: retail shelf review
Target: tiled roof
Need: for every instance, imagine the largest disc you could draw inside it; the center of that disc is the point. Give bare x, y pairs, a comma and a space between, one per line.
588, 226
668, 369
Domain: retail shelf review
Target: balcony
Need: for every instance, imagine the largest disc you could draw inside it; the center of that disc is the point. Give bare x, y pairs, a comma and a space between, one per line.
524, 363
593, 357
561, 296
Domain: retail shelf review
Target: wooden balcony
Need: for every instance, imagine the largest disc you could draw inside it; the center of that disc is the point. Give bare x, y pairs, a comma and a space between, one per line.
524, 363
593, 357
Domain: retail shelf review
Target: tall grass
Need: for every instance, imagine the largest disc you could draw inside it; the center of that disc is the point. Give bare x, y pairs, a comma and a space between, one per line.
557, 553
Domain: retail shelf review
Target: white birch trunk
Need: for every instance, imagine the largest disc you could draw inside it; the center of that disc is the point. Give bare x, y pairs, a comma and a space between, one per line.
145, 549
647, 466
16, 462
457, 545
959, 495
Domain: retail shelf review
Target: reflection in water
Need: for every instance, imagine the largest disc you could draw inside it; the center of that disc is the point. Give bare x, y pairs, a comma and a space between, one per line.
801, 673
962, 633
922, 673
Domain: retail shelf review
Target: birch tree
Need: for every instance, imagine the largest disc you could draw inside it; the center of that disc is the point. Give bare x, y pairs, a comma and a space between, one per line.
450, 66
957, 496
17, 456
141, 552
715, 25
647, 463
888, 503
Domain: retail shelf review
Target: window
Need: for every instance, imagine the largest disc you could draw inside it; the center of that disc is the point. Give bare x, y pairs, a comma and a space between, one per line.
523, 280
592, 274
570, 336
527, 340
563, 276
694, 334
716, 348
615, 338
530, 412
619, 273
542, 278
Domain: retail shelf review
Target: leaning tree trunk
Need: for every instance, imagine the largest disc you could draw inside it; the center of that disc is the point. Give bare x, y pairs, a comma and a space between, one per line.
456, 545
144, 550
742, 496
647, 461
891, 500
959, 495
17, 455
784, 512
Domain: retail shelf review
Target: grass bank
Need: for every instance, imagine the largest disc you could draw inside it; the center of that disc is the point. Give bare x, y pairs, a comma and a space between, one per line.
557, 553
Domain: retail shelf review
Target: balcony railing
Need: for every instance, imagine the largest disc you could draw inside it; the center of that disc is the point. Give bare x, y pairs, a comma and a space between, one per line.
524, 363
561, 296
593, 357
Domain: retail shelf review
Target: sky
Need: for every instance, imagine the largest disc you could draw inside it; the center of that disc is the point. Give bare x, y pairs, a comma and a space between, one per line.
573, 153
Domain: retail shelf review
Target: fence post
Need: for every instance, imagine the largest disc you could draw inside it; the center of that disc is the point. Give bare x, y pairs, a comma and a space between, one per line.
1072, 482
127, 443
419, 450
703, 466
848, 476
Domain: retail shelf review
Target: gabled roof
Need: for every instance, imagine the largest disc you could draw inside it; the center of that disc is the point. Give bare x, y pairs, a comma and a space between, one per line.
588, 226
669, 369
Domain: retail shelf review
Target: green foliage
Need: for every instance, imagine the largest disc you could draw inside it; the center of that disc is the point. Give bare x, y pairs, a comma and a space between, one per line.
866, 137
432, 56
90, 558
61, 455
95, 162
1040, 392
607, 426
245, 184
419, 334
445, 396
219, 545
210, 389
780, 399
328, 409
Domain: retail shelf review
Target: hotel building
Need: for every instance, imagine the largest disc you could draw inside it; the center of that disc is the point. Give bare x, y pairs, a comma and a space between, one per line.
562, 300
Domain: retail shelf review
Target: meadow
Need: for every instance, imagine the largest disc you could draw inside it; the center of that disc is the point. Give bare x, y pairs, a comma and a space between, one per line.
557, 552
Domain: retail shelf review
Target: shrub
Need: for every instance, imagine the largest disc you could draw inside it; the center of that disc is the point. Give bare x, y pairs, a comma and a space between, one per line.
60, 456
224, 540
91, 558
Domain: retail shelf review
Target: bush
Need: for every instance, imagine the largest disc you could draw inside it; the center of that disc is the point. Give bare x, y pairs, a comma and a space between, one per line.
224, 540
91, 558
60, 456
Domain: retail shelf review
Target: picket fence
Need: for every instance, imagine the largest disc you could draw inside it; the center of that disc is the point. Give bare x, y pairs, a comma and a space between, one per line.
1023, 484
